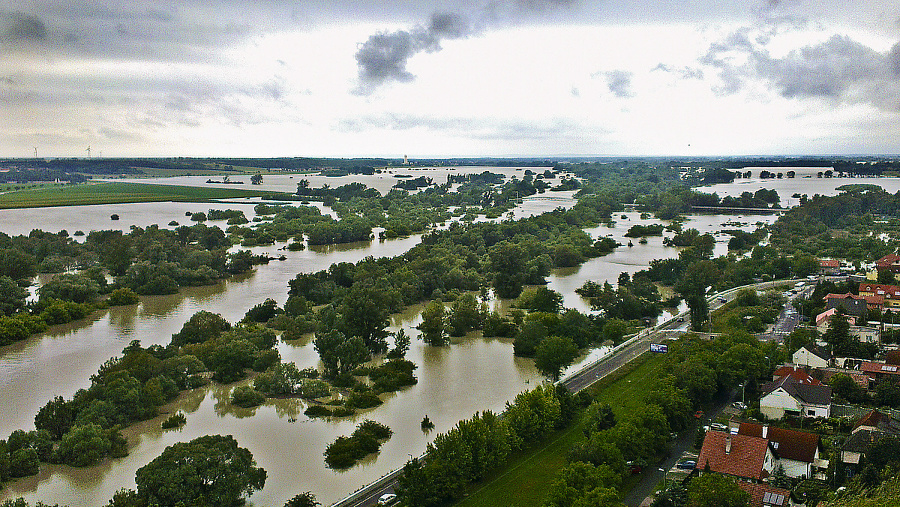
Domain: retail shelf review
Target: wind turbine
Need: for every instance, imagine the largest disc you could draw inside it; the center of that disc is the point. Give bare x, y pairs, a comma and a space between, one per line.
35, 152
88, 151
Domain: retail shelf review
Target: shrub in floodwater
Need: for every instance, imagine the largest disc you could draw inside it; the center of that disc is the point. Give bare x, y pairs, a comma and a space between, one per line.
175, 420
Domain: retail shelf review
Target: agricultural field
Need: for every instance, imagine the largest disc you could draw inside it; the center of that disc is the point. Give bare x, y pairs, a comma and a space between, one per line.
116, 193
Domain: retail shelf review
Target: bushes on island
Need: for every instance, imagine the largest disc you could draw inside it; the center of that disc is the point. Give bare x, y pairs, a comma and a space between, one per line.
366, 439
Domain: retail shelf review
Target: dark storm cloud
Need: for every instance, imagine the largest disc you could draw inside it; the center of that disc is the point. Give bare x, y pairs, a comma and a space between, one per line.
383, 57
22, 28
838, 68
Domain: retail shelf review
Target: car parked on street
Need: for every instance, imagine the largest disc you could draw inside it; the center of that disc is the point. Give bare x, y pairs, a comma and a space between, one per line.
686, 465
388, 499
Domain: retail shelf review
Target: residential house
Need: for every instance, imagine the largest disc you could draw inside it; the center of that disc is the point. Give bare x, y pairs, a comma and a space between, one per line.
877, 421
890, 262
813, 356
796, 452
764, 495
889, 293
868, 430
789, 396
879, 371
742, 456
824, 319
866, 334
798, 373
829, 267
861, 379
850, 304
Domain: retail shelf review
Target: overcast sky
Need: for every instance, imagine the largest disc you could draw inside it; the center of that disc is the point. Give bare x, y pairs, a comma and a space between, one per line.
344, 78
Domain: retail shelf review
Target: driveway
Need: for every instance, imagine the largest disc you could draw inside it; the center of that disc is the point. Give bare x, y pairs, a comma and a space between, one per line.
685, 441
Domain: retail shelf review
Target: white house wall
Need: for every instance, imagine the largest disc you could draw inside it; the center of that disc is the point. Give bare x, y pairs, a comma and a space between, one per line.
794, 469
805, 358
775, 403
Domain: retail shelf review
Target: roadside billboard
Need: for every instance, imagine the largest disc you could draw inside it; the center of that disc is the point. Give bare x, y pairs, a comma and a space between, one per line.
659, 348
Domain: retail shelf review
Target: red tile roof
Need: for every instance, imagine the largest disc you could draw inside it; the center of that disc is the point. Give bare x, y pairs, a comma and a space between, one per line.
763, 495
892, 290
874, 367
829, 263
870, 419
875, 300
881, 422
746, 458
789, 444
798, 373
887, 260
844, 296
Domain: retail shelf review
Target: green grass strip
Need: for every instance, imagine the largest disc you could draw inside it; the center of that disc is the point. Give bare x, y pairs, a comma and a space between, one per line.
525, 480
117, 193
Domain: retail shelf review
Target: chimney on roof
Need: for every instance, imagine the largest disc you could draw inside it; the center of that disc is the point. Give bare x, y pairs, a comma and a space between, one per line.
728, 443
765, 430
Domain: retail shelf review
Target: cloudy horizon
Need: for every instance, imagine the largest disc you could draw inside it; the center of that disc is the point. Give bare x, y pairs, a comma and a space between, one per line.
466, 78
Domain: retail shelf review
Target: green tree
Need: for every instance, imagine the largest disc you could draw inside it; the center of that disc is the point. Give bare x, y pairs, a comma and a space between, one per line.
553, 354
123, 296
84, 445
340, 354
401, 345
530, 336
434, 324
714, 490
56, 417
805, 265
887, 394
541, 299
465, 315
23, 462
303, 500
12, 297
16, 264
365, 313
847, 389
209, 470
256, 179
247, 397
886, 277
598, 449
507, 261
614, 329
68, 287
698, 277
838, 337
533, 414
201, 327
576, 481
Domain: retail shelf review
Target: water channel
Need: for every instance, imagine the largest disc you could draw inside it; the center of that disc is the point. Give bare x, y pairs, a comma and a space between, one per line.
473, 374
